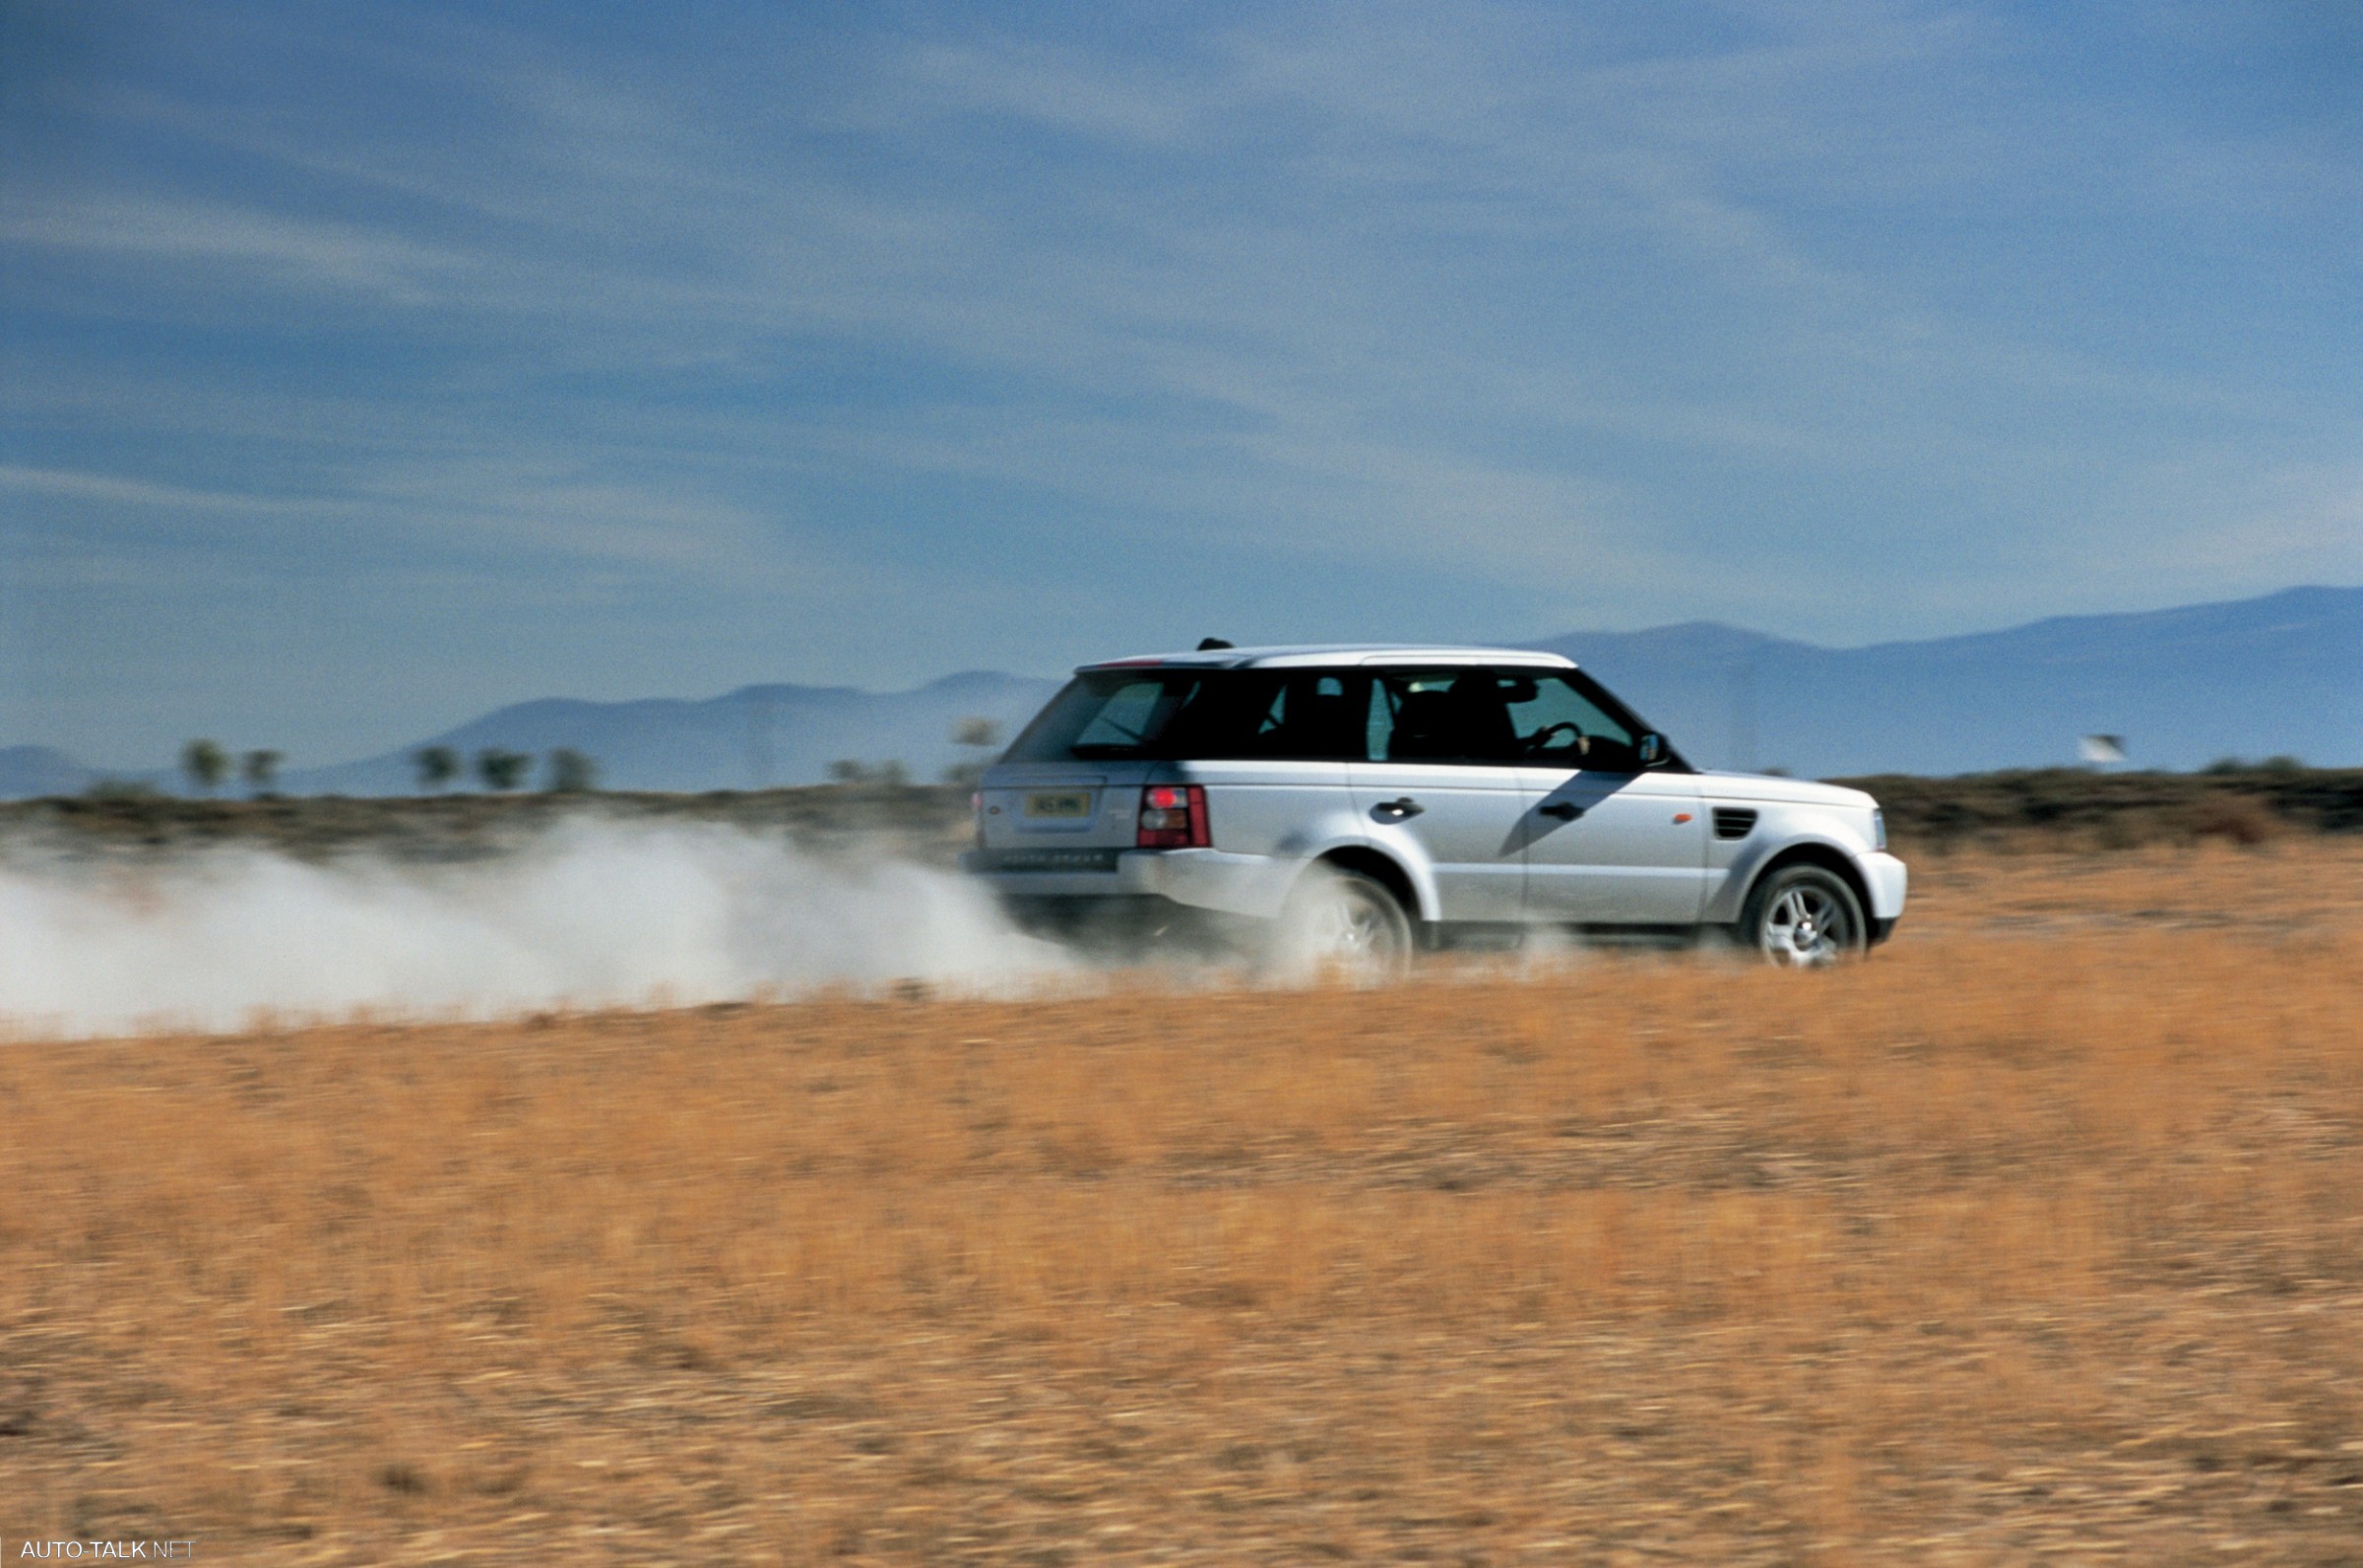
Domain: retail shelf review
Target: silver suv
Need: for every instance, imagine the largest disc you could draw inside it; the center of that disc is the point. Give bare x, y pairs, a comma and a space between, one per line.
1358, 802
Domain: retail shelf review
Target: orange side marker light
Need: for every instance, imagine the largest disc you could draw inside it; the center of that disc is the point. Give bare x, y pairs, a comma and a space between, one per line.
1682, 816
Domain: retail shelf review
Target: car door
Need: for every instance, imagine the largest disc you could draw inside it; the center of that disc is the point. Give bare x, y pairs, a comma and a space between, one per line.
1607, 842
1439, 770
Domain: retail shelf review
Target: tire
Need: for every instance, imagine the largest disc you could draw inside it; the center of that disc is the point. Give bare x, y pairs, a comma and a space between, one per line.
1804, 916
1341, 921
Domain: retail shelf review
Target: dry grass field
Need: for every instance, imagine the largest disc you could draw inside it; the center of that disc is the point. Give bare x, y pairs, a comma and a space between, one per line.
2041, 1234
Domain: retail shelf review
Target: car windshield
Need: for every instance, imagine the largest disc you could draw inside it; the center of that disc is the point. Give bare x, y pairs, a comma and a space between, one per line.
1201, 714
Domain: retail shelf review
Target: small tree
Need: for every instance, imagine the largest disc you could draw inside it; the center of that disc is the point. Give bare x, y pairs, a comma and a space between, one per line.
892, 774
846, 770
502, 770
980, 735
571, 773
437, 766
121, 790
206, 763
261, 771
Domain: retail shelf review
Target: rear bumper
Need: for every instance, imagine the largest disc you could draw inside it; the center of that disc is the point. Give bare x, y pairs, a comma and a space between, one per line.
1129, 927
1251, 886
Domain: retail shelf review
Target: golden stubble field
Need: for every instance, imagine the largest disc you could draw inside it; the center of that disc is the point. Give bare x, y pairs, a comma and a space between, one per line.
2040, 1234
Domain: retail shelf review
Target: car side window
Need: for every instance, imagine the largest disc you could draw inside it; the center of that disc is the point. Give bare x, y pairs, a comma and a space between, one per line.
1294, 715
1438, 715
1311, 718
1555, 723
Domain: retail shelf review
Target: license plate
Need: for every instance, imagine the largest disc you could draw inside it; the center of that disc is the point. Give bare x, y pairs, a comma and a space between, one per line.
1067, 803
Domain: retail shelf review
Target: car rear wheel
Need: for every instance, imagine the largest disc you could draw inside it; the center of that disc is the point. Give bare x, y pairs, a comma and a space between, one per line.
1340, 921
1804, 916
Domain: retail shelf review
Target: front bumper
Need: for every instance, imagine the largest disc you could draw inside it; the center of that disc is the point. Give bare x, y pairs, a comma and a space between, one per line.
1887, 879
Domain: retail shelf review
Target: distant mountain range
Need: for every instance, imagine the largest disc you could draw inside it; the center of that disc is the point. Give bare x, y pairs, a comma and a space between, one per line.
755, 738
2279, 675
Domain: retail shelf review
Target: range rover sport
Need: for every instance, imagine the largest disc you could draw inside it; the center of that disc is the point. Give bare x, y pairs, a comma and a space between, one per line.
1359, 802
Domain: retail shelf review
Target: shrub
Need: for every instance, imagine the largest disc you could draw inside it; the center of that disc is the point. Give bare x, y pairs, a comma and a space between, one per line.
571, 773
2235, 819
437, 766
502, 770
121, 789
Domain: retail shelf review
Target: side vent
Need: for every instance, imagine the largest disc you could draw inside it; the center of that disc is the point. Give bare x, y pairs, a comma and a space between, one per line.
1734, 822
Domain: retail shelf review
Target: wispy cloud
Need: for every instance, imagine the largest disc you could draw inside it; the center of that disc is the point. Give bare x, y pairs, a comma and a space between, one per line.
1062, 88
285, 250
134, 492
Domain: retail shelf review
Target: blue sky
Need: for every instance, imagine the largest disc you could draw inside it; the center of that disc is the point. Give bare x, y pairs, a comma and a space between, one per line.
362, 368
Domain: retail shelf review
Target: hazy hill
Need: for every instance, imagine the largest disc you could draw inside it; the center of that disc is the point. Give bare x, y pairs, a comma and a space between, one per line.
2256, 677
750, 739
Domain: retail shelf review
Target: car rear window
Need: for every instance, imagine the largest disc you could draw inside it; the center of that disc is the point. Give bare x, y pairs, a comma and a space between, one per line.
1206, 715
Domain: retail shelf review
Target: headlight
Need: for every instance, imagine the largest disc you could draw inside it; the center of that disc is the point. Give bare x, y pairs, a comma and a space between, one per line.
1878, 829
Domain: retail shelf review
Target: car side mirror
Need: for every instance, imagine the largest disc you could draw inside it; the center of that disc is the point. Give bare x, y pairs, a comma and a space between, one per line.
1652, 749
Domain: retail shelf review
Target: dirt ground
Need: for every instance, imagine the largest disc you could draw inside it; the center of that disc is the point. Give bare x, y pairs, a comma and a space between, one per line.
2038, 1235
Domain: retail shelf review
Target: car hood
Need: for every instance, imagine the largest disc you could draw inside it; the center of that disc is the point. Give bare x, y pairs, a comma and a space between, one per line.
1773, 790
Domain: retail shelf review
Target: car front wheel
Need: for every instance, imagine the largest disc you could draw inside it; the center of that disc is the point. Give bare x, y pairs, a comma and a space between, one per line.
1804, 916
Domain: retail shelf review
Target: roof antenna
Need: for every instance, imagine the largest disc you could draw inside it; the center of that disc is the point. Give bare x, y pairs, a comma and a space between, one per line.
1208, 643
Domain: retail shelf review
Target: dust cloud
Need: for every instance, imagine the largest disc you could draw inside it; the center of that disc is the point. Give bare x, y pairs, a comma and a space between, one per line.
588, 913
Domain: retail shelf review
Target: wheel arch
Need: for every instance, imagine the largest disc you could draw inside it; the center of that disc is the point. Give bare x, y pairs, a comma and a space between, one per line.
1381, 868
1829, 856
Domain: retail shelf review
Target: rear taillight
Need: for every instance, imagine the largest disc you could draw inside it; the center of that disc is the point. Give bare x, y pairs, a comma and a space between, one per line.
1172, 817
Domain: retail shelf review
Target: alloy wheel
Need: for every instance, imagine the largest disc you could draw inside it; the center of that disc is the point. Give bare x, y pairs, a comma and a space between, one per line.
1806, 927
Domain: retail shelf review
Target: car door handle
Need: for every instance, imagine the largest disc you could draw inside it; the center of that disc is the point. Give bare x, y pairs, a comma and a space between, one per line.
1564, 810
1405, 807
